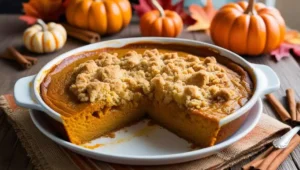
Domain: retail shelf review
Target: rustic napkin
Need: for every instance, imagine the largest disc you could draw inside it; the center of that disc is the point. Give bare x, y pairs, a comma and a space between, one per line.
45, 154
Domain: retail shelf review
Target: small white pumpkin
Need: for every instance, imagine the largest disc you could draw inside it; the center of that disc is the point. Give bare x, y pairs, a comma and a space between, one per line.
42, 38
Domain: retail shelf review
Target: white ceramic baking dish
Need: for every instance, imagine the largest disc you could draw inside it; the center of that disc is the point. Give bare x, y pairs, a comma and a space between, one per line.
27, 89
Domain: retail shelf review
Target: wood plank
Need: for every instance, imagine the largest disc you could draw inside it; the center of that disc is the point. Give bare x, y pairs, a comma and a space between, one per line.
296, 156
202, 37
186, 35
297, 59
287, 164
134, 29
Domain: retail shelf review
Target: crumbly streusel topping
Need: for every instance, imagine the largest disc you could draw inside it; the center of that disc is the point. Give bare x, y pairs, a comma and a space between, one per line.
164, 77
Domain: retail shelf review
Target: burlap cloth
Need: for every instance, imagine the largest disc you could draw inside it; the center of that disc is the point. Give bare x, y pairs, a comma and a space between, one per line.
45, 154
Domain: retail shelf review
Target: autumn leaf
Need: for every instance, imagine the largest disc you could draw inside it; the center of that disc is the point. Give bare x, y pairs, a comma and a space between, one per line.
146, 5
291, 45
28, 19
202, 15
292, 37
48, 10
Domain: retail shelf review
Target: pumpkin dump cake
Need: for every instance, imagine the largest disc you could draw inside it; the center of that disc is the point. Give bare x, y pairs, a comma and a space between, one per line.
100, 91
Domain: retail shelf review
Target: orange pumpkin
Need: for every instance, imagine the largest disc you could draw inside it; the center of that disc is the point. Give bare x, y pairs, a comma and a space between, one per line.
102, 16
250, 29
161, 22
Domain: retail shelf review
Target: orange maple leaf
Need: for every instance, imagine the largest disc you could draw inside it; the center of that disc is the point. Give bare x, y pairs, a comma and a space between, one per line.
48, 10
292, 37
289, 47
202, 15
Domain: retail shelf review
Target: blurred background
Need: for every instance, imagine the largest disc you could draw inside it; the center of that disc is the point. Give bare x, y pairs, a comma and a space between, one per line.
288, 8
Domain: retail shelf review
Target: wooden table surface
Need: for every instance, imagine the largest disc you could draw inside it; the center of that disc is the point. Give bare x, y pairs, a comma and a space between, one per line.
13, 155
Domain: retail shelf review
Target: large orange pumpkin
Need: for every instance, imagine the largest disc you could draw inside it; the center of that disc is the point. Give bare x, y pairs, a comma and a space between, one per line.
250, 29
161, 22
102, 16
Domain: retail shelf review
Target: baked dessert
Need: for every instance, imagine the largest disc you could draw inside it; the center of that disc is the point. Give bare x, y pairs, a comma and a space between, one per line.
100, 91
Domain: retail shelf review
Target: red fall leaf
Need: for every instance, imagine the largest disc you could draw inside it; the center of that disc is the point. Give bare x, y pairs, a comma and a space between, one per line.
291, 45
146, 5
48, 10
28, 19
202, 15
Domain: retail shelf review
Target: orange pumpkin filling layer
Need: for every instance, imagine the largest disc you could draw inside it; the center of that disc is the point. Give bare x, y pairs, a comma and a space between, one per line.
100, 91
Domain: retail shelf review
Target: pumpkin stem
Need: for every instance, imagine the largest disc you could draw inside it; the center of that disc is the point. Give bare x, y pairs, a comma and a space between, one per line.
158, 7
250, 9
42, 23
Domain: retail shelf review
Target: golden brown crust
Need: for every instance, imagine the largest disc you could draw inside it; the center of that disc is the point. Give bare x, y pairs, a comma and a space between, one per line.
165, 77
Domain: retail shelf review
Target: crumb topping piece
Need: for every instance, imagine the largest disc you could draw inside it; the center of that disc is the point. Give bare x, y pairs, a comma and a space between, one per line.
189, 81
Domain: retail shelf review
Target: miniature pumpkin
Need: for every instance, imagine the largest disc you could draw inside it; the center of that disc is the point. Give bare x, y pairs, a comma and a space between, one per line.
102, 16
250, 29
42, 38
161, 23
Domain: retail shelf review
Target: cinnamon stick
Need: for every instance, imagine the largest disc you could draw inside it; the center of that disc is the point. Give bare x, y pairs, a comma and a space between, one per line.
268, 159
298, 111
285, 153
255, 162
290, 94
284, 115
19, 58
81, 34
32, 60
274, 159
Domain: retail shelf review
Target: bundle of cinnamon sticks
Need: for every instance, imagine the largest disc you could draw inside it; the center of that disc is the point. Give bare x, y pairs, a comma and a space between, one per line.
14, 55
81, 34
273, 157
294, 114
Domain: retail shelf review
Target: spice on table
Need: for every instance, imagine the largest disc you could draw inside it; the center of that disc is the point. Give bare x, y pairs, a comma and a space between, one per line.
19, 58
257, 161
25, 61
298, 111
268, 159
285, 153
32, 60
290, 94
284, 115
81, 34
274, 159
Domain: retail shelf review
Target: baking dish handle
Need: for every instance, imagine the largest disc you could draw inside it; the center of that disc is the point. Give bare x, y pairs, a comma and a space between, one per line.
24, 95
268, 79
